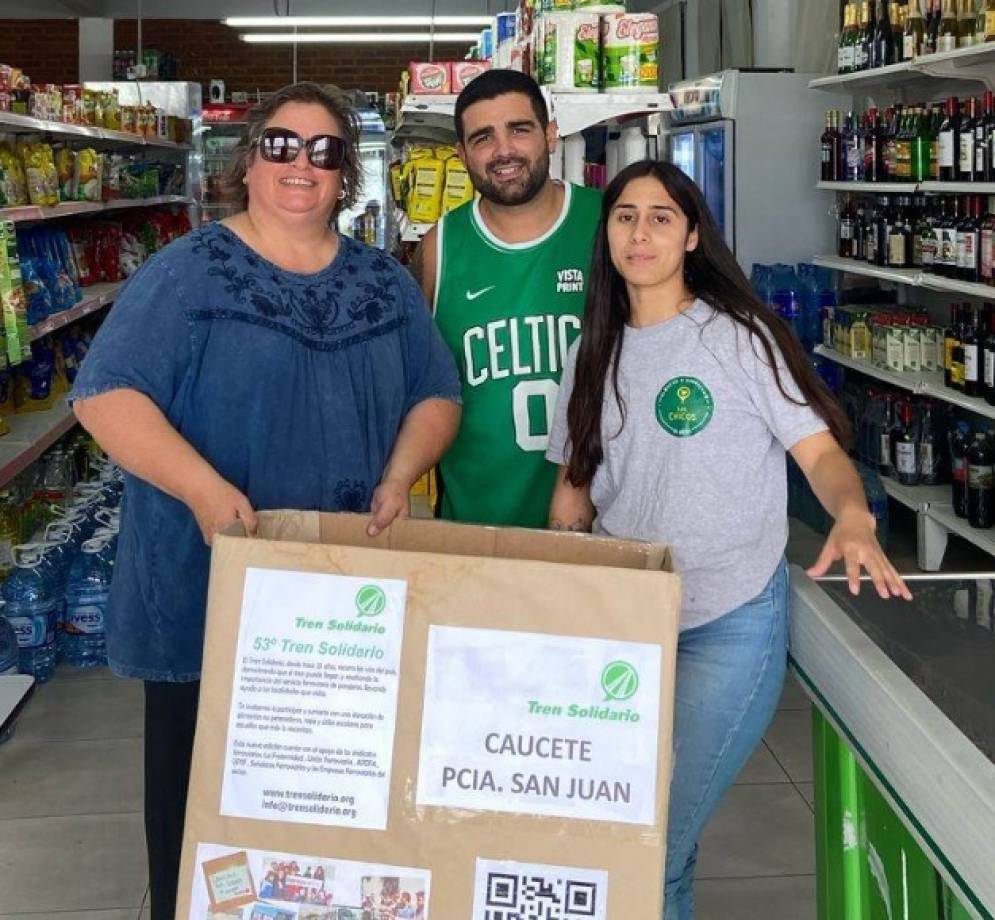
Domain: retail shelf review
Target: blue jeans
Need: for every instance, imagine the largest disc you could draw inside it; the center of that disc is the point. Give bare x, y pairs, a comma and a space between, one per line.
729, 678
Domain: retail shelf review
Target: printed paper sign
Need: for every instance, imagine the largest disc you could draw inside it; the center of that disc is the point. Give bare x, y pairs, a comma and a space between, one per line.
314, 699
503, 889
540, 724
295, 887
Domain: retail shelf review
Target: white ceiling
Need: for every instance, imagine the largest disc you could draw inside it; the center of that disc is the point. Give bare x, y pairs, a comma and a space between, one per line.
218, 9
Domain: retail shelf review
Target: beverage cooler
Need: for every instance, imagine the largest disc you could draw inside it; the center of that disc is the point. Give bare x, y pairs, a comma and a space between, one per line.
367, 219
223, 127
750, 140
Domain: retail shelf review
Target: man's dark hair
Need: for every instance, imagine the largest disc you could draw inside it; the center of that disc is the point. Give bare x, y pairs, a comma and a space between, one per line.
494, 83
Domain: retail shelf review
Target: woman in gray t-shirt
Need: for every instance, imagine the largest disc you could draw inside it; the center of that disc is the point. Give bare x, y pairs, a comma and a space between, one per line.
676, 409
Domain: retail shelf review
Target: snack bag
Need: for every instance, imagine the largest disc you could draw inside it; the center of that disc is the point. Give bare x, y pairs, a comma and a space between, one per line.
36, 292
42, 177
12, 178
444, 152
89, 173
83, 245
426, 192
65, 166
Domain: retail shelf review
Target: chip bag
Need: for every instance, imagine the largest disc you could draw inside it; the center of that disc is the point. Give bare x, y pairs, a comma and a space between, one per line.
65, 166
12, 178
89, 175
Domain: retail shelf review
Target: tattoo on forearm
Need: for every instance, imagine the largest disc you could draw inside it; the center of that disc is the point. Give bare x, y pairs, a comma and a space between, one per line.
578, 526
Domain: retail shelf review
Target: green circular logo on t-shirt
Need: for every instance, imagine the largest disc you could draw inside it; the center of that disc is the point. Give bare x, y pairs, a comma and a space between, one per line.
684, 406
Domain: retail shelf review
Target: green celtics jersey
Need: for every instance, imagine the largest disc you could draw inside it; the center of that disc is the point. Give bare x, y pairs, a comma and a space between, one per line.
509, 312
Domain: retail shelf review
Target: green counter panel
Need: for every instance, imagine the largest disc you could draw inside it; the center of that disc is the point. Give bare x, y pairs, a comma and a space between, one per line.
869, 866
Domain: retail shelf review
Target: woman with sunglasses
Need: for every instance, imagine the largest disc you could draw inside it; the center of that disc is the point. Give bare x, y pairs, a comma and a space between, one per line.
677, 407
261, 362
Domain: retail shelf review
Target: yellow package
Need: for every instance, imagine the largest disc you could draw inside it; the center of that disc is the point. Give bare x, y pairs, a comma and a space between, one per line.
417, 152
89, 175
15, 186
458, 188
426, 194
444, 153
396, 186
407, 183
41, 175
65, 166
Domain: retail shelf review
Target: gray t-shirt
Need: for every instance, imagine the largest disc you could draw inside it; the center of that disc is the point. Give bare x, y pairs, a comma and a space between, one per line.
700, 461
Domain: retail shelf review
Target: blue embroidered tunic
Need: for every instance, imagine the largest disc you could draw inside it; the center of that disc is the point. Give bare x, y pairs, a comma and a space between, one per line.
293, 387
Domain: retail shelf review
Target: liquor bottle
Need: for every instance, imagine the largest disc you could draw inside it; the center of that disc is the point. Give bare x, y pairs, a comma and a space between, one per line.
914, 33
903, 145
937, 115
949, 142
932, 37
950, 334
983, 125
965, 165
860, 232
827, 144
882, 230
871, 234
847, 230
864, 41
929, 447
969, 242
889, 139
967, 23
972, 352
896, 13
947, 263
900, 236
922, 147
988, 352
957, 361
844, 50
884, 438
987, 16
924, 243
905, 445
986, 243
883, 49
948, 32
875, 169
853, 150
959, 445
981, 482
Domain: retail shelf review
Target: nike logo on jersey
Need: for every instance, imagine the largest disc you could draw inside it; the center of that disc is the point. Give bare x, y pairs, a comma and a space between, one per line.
473, 295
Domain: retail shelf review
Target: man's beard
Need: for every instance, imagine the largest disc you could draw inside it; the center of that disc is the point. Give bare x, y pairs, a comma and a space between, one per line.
523, 191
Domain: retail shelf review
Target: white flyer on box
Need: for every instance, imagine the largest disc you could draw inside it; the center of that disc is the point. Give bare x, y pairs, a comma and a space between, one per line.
540, 724
314, 699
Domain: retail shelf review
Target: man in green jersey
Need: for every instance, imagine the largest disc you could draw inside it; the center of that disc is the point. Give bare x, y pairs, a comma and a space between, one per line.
506, 275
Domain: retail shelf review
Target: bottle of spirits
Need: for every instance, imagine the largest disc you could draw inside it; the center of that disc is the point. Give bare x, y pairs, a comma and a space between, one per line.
929, 447
965, 165
949, 142
914, 33
959, 445
906, 448
989, 363
967, 23
883, 50
981, 483
948, 32
884, 448
971, 345
827, 144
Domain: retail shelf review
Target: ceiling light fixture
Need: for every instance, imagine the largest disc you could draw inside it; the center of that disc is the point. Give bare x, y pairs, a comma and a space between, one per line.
333, 22
350, 38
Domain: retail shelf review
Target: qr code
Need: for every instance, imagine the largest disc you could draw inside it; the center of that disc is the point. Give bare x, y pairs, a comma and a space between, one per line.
511, 891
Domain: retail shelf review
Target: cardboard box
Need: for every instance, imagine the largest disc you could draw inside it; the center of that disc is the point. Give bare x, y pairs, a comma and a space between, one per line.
429, 717
465, 71
430, 78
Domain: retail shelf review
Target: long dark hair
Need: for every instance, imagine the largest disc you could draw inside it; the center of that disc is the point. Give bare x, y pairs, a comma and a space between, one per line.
712, 275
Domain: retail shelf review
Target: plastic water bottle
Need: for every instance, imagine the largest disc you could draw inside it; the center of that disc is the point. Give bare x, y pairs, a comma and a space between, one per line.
32, 607
87, 590
9, 655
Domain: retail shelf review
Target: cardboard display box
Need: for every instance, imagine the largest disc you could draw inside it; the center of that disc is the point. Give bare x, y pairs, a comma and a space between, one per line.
438, 719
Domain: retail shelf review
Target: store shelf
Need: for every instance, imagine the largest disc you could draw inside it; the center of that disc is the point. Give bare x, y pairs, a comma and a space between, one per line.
31, 434
930, 188
95, 297
974, 63
26, 124
910, 382
73, 208
918, 498
867, 188
924, 384
574, 112
942, 513
865, 79
910, 276
856, 267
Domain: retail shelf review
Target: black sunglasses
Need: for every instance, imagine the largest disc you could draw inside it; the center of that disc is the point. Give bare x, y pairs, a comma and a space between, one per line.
281, 145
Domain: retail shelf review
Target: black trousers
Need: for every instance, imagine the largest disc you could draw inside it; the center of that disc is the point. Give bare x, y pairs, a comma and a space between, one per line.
170, 719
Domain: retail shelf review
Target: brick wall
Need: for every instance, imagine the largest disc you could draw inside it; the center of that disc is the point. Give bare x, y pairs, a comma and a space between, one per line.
211, 50
47, 50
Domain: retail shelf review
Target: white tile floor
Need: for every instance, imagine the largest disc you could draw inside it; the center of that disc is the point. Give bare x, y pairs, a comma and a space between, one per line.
72, 839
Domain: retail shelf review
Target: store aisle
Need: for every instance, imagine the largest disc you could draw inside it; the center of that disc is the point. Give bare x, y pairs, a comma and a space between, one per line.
72, 842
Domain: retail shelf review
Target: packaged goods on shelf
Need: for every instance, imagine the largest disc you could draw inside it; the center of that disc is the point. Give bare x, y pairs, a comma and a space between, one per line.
630, 51
427, 186
13, 182
430, 78
89, 175
40, 173
463, 72
571, 60
15, 314
458, 188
